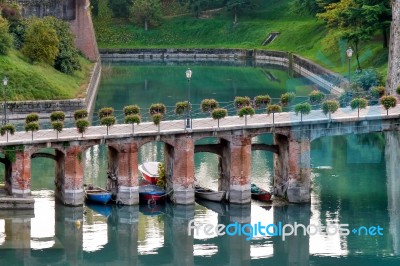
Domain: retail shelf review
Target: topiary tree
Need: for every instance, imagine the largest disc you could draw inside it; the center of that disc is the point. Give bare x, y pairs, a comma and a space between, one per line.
80, 114
106, 117
388, 102
157, 120
286, 98
303, 109
57, 126
82, 125
131, 110
316, 97
182, 107
157, 108
5, 37
359, 103
132, 119
219, 113
329, 107
273, 108
31, 126
7, 129
245, 111
241, 102
208, 105
261, 101
32, 117
57, 121
41, 42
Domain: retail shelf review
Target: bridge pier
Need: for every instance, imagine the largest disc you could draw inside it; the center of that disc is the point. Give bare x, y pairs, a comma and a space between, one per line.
123, 166
292, 172
69, 176
181, 158
21, 174
235, 168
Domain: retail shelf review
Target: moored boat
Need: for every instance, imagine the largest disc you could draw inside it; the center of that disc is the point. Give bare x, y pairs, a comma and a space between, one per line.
151, 194
97, 195
260, 194
149, 171
209, 194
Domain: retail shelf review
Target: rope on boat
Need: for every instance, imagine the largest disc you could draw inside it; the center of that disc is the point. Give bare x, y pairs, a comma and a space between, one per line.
153, 202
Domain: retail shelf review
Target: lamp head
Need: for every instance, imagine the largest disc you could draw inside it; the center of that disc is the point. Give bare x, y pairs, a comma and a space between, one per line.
188, 73
5, 81
349, 52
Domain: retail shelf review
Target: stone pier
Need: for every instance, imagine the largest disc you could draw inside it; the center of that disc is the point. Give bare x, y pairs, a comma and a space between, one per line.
123, 172
21, 173
292, 171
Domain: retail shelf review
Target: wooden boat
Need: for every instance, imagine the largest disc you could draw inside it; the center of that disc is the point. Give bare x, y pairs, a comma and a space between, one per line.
149, 171
97, 195
151, 194
260, 194
209, 194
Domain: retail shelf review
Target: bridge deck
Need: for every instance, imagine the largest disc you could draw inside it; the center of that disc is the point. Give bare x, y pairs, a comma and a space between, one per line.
284, 119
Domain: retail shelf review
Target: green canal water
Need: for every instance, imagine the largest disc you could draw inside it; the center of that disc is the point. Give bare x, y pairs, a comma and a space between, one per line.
354, 182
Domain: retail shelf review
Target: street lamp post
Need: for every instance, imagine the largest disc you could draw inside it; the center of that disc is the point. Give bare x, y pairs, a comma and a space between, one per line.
349, 53
5, 82
188, 118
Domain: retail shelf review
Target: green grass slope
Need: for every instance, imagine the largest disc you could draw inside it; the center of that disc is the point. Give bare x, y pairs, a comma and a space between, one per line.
41, 82
301, 34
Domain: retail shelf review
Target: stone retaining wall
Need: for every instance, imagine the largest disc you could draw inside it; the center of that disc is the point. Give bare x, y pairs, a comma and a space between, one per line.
318, 74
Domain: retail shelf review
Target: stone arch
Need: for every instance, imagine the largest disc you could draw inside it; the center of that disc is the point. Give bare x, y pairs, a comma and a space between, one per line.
7, 173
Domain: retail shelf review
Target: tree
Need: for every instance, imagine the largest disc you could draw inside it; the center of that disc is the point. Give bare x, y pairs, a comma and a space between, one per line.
82, 125
182, 107
197, 6
208, 105
57, 121
146, 12
245, 111
106, 117
388, 102
219, 113
5, 37
261, 101
119, 8
67, 60
273, 108
303, 109
7, 129
240, 102
329, 107
237, 7
32, 123
316, 97
41, 42
359, 103
286, 98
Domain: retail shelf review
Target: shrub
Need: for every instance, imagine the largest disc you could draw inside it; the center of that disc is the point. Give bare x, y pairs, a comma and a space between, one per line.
131, 110
398, 90
219, 113
247, 110
316, 97
208, 105
57, 116
388, 102
120, 8
286, 98
32, 126
302, 108
330, 106
82, 124
146, 12
41, 42
274, 108
367, 79
108, 121
261, 100
105, 112
5, 37
132, 119
33, 117
57, 125
80, 114
157, 108
10, 128
181, 107
377, 92
241, 102
157, 118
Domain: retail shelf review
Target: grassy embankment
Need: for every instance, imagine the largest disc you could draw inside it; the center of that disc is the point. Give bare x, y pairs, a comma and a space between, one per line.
301, 34
40, 81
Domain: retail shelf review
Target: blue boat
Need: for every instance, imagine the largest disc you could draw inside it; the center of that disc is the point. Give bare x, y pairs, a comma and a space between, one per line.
151, 194
97, 195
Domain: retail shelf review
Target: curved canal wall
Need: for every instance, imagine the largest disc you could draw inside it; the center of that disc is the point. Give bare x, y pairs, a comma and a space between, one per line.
325, 78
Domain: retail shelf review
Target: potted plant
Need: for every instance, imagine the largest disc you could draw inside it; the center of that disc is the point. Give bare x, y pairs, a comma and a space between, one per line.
182, 107
241, 102
261, 101
208, 105
131, 110
286, 98
316, 97
80, 114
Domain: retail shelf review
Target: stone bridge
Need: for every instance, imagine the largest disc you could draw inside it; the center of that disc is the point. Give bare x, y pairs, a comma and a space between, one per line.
292, 137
